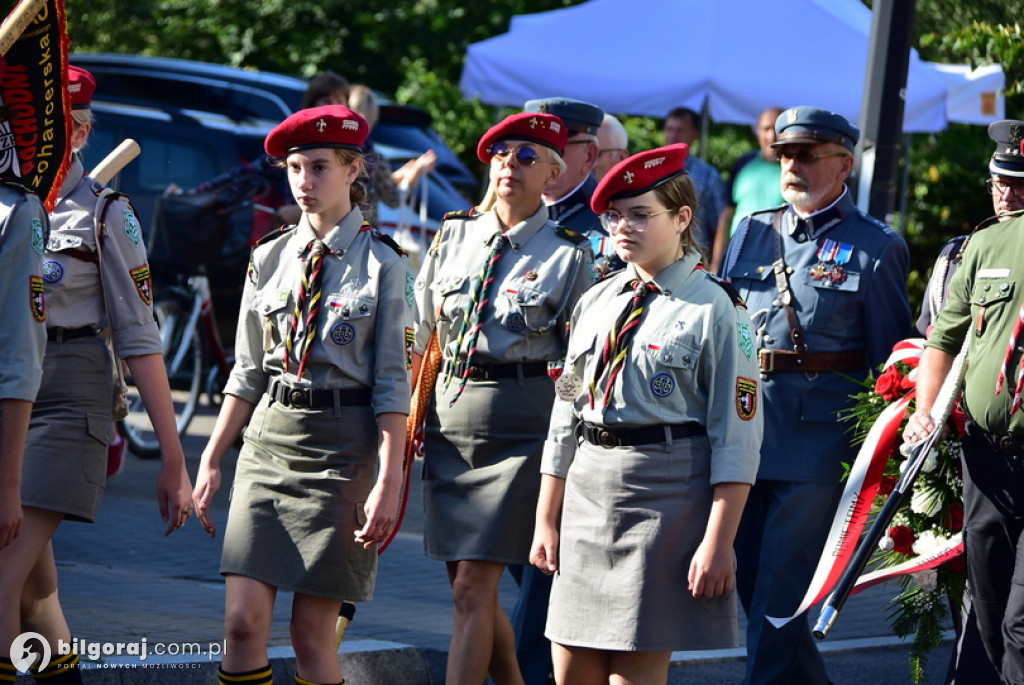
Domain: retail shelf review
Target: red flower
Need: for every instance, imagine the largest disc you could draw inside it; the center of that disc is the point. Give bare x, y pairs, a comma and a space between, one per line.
955, 517
907, 383
912, 361
886, 485
888, 384
903, 539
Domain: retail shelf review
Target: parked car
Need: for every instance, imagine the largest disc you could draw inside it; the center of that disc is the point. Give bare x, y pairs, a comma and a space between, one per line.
186, 147
247, 94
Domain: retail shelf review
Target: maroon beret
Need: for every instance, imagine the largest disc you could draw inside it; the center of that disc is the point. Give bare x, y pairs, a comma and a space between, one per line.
637, 174
544, 129
327, 126
81, 86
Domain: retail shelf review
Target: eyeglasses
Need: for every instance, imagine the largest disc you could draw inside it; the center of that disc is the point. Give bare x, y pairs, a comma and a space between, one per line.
997, 186
805, 156
611, 149
525, 154
636, 219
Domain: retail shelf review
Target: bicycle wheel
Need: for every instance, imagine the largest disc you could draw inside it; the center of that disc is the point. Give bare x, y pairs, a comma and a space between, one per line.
183, 357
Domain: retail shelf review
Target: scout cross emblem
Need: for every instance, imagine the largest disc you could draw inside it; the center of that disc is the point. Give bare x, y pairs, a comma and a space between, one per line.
321, 125
534, 123
628, 177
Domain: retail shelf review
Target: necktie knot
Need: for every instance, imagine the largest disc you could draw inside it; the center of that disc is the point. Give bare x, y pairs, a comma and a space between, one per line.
317, 247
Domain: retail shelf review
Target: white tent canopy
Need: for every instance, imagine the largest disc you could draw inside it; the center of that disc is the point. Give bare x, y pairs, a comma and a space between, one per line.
645, 57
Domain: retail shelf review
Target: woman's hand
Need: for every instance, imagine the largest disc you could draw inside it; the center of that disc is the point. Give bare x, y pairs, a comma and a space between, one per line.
381, 510
174, 493
544, 550
207, 485
712, 571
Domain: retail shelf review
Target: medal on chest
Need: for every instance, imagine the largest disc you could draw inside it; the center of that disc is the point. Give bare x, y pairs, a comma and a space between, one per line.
832, 256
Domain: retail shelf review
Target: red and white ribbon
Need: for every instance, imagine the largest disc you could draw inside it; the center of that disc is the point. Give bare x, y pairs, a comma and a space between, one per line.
948, 550
854, 506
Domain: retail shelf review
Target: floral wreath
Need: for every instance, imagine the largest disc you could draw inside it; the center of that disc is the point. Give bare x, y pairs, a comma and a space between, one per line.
923, 545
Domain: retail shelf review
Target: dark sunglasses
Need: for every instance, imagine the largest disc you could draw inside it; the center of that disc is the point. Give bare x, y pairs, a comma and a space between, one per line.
805, 156
525, 154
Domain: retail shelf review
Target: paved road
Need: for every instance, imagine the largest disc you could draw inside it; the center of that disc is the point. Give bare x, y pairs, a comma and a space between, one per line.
122, 581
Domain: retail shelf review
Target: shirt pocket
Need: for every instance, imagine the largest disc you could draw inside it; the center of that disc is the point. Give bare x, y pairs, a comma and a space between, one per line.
521, 309
275, 310
989, 296
750, 277
834, 300
454, 292
669, 363
349, 316
581, 347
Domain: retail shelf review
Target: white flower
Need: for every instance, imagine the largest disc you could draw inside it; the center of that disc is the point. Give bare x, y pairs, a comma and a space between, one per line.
926, 501
927, 541
886, 544
931, 461
926, 580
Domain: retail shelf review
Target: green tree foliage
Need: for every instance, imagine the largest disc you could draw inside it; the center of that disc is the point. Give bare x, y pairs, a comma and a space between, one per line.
416, 50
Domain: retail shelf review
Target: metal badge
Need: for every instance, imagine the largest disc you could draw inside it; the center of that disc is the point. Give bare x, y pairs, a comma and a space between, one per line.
568, 386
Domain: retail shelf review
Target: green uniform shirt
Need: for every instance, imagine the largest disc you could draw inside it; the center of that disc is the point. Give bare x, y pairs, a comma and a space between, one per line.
985, 297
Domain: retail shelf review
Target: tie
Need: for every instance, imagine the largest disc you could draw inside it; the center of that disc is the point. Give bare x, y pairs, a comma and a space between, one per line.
616, 346
478, 299
307, 301
1004, 370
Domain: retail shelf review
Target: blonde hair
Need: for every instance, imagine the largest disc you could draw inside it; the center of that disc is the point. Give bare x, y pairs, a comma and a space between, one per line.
675, 194
363, 100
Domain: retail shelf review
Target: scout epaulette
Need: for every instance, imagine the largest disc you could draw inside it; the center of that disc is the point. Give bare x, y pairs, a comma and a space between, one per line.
390, 242
572, 236
275, 234
734, 295
470, 213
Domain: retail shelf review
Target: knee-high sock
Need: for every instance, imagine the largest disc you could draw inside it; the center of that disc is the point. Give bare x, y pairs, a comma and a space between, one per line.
259, 676
64, 670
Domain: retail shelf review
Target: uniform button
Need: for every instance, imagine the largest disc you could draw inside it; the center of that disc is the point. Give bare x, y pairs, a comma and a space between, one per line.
769, 341
1004, 286
363, 309
982, 300
987, 288
345, 311
760, 269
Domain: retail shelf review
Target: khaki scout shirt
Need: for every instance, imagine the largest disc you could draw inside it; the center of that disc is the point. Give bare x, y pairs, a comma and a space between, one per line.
23, 334
74, 297
363, 328
537, 282
691, 359
985, 297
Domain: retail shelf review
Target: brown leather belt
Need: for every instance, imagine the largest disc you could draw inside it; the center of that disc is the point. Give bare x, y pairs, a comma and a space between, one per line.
769, 360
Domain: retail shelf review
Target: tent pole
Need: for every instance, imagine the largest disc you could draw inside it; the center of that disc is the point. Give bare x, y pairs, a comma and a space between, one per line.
881, 114
705, 125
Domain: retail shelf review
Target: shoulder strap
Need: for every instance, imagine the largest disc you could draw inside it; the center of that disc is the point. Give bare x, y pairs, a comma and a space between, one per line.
781, 270
274, 235
574, 237
390, 242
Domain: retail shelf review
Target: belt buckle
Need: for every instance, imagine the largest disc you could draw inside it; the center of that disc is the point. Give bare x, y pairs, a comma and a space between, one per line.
606, 439
1007, 444
766, 359
297, 398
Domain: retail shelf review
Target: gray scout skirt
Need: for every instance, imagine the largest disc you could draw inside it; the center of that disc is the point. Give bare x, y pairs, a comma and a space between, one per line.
631, 522
302, 478
481, 469
65, 468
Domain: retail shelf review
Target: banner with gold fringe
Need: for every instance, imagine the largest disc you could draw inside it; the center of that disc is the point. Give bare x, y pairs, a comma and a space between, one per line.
35, 140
